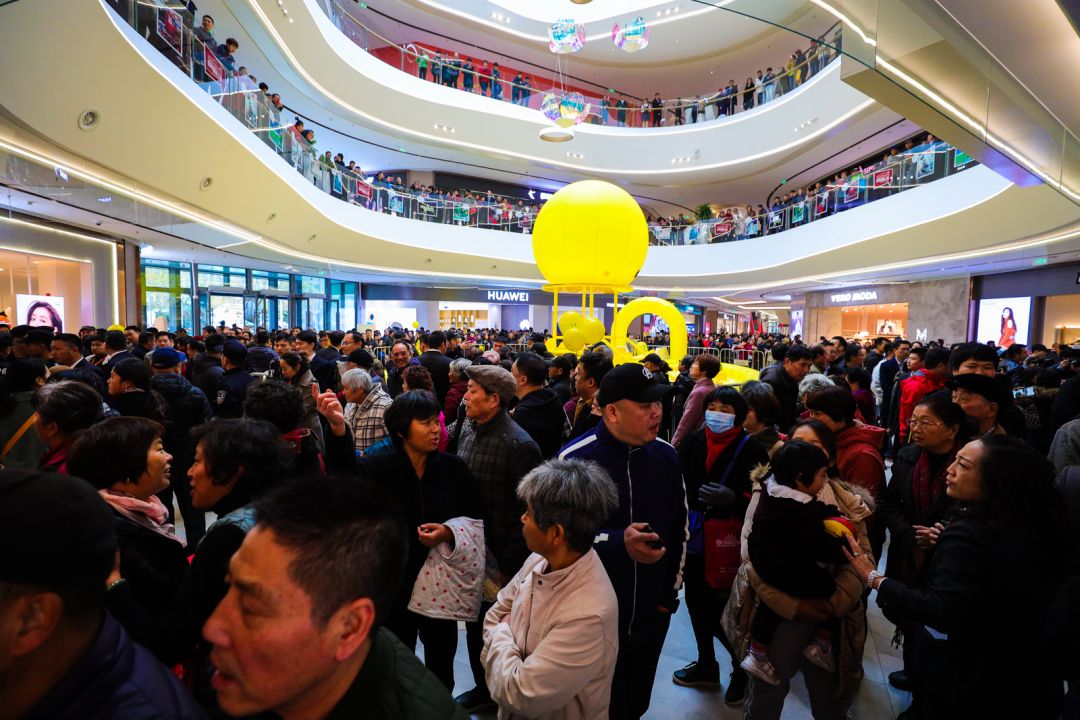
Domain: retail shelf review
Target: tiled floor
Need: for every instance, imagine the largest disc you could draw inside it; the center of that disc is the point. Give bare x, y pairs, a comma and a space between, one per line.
875, 700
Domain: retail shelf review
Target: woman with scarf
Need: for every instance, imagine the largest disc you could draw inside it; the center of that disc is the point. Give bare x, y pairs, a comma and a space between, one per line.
717, 461
914, 506
124, 459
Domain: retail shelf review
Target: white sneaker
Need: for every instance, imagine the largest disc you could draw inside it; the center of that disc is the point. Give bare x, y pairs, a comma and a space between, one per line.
761, 668
824, 659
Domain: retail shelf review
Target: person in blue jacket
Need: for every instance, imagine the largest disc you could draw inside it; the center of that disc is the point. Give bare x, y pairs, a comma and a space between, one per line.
643, 543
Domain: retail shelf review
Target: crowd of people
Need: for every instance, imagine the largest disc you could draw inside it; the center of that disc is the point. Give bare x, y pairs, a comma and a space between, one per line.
369, 490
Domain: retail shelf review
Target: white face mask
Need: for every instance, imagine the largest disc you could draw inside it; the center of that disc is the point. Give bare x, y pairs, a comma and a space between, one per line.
718, 421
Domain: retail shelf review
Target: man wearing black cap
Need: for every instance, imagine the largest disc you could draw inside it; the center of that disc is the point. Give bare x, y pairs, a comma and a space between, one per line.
232, 387
652, 512
61, 655
453, 345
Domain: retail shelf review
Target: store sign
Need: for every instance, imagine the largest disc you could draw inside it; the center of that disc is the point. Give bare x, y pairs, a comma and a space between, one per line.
521, 296
861, 296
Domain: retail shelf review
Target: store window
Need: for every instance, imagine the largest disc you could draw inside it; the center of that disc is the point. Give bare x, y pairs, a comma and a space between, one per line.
168, 294
311, 285
222, 276
343, 304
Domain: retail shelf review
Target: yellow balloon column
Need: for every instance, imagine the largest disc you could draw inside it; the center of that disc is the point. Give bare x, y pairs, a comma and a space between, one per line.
590, 238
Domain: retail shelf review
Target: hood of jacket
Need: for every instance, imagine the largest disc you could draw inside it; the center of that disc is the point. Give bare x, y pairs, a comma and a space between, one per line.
171, 385
860, 437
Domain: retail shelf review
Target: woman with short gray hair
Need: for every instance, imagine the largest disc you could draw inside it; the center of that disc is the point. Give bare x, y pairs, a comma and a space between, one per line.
561, 600
459, 383
812, 382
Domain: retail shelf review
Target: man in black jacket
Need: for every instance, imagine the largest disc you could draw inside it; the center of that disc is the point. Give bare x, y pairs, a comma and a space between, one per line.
206, 367
186, 407
784, 379
538, 410
229, 398
559, 376
324, 371
437, 363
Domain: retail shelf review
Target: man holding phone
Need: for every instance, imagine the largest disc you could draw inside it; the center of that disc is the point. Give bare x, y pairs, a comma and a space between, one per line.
643, 543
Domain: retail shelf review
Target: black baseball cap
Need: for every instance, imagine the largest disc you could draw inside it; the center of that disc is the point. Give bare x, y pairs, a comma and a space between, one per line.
631, 381
74, 551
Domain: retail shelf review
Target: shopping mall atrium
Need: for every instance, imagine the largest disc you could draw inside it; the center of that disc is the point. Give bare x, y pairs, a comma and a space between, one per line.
650, 179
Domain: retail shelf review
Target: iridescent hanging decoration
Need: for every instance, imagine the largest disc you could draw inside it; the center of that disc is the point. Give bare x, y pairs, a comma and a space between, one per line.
566, 36
572, 110
549, 106
632, 36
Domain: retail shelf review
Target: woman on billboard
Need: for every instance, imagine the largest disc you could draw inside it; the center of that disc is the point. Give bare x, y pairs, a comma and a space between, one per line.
1008, 328
43, 314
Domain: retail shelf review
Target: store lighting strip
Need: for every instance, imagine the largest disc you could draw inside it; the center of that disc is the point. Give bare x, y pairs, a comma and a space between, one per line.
442, 139
114, 279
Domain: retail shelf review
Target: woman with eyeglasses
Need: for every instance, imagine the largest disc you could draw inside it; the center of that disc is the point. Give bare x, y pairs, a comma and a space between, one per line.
915, 504
976, 622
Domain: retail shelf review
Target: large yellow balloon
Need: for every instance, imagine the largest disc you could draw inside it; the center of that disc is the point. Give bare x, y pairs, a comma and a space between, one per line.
593, 330
574, 339
590, 234
570, 320
415, 324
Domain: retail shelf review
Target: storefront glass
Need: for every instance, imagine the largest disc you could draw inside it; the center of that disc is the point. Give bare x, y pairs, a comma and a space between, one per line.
343, 303
222, 276
167, 303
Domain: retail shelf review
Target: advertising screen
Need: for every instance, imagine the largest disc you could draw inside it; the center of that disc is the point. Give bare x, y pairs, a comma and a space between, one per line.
1004, 320
41, 311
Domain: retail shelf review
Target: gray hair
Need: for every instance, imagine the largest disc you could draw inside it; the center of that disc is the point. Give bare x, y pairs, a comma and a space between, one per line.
457, 367
576, 494
812, 382
357, 379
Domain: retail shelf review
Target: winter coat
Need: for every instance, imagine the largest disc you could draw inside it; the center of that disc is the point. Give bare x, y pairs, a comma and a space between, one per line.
683, 385
693, 453
325, 373
260, 359
311, 415
562, 389
693, 414
153, 564
579, 422
897, 512
787, 392
394, 381
203, 372
887, 372
185, 408
28, 451
439, 366
138, 403
987, 589
555, 656
1065, 449
914, 389
454, 396
450, 585
540, 414
769, 439
858, 456
116, 679
748, 590
651, 490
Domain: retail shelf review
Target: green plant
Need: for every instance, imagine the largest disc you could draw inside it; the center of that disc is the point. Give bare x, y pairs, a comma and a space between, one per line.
704, 211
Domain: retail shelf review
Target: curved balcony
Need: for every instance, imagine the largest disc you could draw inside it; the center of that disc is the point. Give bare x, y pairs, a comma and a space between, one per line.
177, 138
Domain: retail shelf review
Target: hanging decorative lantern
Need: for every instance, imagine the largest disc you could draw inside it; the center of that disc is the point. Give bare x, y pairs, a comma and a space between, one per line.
572, 110
549, 106
632, 36
565, 36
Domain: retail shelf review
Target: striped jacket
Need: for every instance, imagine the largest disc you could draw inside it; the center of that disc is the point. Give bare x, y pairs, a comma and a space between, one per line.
651, 490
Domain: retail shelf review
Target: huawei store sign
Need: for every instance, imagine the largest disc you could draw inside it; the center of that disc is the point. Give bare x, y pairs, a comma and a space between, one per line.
863, 296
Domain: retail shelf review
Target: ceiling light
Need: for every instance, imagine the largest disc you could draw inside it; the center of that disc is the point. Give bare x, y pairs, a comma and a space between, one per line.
556, 134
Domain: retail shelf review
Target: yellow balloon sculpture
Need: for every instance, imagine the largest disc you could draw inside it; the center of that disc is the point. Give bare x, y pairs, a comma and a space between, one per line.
591, 237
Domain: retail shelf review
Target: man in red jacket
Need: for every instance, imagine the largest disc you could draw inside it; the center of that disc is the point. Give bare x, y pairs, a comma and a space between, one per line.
929, 378
858, 449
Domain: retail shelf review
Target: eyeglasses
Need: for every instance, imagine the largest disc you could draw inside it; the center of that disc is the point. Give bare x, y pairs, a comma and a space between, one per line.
913, 422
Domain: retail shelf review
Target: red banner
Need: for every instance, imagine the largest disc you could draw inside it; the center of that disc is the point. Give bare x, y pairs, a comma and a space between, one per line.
884, 177
214, 69
363, 190
721, 229
170, 26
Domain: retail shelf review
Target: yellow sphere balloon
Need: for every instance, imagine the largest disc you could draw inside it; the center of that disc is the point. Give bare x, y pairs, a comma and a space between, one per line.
570, 321
590, 233
574, 339
415, 324
594, 331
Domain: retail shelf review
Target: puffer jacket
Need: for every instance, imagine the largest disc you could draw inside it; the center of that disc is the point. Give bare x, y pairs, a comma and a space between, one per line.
453, 398
787, 393
748, 590
185, 407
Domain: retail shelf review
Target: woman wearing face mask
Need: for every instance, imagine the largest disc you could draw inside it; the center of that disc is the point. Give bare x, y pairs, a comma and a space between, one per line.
717, 462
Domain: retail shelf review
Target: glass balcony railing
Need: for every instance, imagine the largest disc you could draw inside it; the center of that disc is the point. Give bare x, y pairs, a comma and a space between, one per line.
459, 72
169, 30
904, 171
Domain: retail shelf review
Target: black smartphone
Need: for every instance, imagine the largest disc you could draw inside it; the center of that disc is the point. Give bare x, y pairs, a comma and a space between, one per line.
654, 544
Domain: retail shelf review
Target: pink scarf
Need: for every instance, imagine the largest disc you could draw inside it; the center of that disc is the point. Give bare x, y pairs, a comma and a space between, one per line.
148, 513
